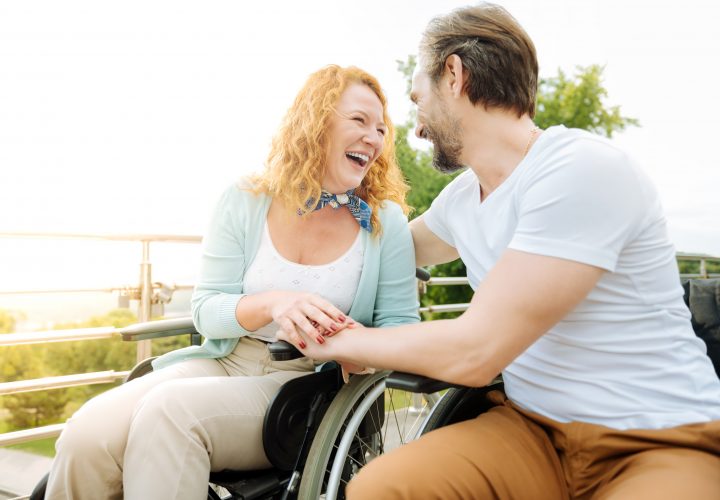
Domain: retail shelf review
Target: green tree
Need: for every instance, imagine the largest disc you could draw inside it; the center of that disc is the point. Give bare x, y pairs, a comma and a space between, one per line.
44, 360
577, 101
31, 409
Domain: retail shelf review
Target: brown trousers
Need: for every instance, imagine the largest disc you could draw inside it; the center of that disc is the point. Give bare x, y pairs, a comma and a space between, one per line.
507, 453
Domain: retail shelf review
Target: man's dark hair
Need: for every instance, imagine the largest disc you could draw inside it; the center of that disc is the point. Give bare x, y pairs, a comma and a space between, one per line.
495, 50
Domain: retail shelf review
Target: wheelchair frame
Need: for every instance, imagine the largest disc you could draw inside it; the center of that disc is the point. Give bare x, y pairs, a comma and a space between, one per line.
334, 447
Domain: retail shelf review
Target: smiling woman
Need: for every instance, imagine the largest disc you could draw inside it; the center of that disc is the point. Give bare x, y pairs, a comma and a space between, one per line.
340, 113
296, 248
358, 129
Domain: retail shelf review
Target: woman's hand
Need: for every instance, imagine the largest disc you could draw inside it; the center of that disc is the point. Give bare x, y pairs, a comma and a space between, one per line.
315, 350
306, 313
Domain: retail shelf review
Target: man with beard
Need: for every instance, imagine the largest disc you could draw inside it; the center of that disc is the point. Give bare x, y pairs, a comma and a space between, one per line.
577, 301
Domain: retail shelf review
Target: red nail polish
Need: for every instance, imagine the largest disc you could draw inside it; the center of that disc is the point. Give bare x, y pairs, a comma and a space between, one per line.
334, 327
320, 340
303, 345
342, 319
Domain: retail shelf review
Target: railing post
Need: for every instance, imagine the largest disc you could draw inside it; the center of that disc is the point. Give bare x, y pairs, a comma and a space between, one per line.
416, 400
144, 349
703, 268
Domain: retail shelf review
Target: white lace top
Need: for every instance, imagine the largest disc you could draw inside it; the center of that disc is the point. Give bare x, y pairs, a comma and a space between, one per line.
336, 282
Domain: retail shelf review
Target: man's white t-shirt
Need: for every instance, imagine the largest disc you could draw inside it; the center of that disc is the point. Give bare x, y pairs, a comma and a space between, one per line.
627, 356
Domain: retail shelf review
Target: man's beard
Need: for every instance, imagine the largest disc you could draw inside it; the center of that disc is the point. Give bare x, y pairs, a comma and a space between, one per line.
447, 144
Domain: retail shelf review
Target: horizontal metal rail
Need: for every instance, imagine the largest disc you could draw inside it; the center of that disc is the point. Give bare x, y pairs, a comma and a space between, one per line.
17, 437
444, 308
82, 290
101, 332
168, 238
61, 382
447, 280
451, 281
696, 256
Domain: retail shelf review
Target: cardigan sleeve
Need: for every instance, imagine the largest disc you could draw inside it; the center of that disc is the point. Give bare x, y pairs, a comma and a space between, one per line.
220, 284
396, 299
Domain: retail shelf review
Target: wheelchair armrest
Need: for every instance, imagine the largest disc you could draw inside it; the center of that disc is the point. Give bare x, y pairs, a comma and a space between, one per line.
158, 329
422, 274
416, 383
283, 351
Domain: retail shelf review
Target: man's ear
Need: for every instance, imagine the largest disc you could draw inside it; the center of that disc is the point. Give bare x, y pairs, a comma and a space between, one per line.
456, 75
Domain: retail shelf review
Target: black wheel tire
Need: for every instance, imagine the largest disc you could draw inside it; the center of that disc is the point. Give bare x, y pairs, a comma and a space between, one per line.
38, 493
142, 368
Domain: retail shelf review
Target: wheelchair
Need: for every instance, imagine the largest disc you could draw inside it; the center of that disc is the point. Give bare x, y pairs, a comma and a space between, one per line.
329, 429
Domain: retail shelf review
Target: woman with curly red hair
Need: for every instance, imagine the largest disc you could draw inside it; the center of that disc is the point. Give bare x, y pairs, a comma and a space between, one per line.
315, 243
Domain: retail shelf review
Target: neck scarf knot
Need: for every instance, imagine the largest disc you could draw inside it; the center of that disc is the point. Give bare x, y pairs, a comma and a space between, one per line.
357, 206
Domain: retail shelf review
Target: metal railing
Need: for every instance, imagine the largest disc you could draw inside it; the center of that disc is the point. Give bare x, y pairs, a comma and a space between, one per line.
702, 261
146, 292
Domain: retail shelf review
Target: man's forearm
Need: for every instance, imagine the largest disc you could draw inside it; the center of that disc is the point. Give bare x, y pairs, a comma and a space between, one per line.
442, 349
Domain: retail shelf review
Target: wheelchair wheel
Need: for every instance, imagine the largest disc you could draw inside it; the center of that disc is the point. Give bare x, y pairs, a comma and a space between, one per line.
363, 421
142, 368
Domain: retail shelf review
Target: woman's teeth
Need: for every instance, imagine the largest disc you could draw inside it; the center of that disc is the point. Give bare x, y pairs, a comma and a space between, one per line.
359, 158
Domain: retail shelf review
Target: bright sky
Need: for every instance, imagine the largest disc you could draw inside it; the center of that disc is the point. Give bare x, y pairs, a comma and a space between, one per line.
131, 117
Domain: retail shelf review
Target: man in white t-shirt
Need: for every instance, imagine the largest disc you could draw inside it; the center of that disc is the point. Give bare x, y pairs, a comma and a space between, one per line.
577, 300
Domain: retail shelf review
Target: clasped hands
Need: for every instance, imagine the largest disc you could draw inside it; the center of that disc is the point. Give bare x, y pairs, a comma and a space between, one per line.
306, 320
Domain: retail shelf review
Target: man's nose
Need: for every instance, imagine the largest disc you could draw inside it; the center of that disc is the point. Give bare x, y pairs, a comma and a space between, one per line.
420, 131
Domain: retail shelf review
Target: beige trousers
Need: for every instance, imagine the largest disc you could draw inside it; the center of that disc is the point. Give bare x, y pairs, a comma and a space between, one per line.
159, 436
511, 454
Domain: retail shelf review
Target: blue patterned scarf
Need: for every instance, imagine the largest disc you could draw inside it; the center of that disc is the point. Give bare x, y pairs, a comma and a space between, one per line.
357, 206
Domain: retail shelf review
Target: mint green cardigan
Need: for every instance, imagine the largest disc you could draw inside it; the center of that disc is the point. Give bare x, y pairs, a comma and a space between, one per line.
386, 293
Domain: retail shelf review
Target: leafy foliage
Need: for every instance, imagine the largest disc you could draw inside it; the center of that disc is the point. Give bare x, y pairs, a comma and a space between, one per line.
578, 102
29, 409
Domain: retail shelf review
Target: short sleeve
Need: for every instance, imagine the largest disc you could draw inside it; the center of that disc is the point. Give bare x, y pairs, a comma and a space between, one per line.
436, 217
583, 206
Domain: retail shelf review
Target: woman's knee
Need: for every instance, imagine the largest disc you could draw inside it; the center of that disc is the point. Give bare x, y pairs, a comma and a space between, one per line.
91, 430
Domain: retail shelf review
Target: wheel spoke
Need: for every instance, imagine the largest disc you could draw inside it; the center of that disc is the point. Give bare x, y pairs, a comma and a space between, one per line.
373, 434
